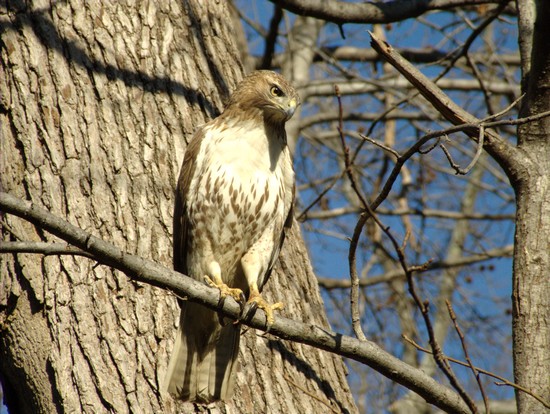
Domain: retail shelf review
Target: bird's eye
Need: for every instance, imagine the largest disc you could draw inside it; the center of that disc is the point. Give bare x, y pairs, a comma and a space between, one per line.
276, 91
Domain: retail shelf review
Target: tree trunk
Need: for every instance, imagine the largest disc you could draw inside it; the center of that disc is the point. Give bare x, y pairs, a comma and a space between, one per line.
531, 303
97, 102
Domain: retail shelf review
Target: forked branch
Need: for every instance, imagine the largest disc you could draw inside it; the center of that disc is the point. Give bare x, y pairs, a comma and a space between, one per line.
503, 152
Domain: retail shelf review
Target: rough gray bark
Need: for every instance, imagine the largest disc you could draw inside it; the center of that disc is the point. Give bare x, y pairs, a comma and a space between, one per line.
531, 286
97, 102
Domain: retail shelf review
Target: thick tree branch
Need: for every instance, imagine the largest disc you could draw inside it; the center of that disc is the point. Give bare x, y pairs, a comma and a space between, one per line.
341, 12
496, 146
152, 273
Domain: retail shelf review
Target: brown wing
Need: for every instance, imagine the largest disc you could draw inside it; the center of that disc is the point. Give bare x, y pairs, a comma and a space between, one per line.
181, 222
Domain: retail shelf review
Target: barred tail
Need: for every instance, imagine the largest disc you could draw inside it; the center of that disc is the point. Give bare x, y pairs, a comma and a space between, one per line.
204, 357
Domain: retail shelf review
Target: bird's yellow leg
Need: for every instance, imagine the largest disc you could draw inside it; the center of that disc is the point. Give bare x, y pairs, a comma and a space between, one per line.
257, 299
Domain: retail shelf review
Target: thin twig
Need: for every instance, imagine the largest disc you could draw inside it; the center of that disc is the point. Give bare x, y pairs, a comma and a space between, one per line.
464, 49
482, 371
423, 306
437, 134
454, 58
380, 145
338, 283
519, 121
46, 249
321, 400
354, 288
467, 355
505, 110
430, 148
354, 291
346, 150
479, 150
439, 357
303, 214
452, 163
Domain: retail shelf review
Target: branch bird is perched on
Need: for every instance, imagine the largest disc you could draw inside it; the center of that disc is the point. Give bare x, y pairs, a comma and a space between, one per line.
233, 204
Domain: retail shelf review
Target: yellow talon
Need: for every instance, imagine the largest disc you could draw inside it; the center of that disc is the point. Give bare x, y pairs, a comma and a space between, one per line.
266, 307
225, 290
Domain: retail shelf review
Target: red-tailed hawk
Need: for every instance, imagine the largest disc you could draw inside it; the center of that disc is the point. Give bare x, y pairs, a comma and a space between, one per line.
233, 203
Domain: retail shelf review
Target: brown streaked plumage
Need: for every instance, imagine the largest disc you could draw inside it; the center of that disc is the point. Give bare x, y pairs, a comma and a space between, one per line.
233, 203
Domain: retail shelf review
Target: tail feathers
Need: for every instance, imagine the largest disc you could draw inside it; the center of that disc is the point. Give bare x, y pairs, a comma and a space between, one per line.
204, 358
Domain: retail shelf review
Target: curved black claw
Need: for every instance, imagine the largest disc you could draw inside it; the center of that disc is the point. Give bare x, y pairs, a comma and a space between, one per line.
256, 301
221, 300
242, 302
248, 311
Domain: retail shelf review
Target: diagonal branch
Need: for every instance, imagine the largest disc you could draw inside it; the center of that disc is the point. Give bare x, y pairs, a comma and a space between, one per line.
341, 12
476, 373
503, 380
155, 274
503, 152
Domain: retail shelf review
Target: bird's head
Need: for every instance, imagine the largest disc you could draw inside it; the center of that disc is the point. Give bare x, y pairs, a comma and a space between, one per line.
268, 92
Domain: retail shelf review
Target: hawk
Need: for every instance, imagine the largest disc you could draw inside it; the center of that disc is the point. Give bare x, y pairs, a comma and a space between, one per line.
233, 205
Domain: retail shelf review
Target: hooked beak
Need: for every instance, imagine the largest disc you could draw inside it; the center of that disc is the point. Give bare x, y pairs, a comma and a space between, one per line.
292, 105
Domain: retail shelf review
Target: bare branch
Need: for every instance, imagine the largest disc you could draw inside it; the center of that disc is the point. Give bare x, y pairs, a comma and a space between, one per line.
467, 354
152, 273
382, 146
503, 380
466, 46
408, 270
341, 12
438, 355
321, 117
426, 55
46, 249
500, 150
452, 215
478, 152
357, 87
455, 166
332, 283
303, 215
354, 292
